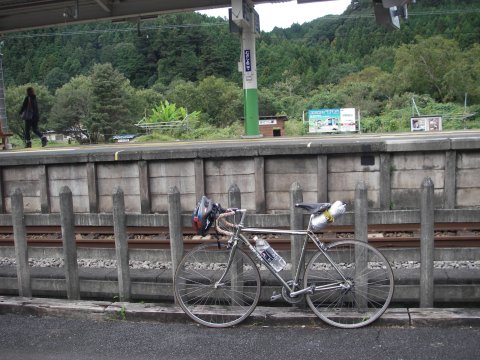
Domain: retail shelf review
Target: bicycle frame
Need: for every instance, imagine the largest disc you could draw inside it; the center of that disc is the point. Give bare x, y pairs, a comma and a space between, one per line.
237, 237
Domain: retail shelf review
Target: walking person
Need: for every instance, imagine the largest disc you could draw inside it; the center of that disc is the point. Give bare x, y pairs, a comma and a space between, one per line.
29, 113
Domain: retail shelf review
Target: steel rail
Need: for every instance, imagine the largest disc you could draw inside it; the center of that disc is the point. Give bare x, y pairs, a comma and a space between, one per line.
407, 235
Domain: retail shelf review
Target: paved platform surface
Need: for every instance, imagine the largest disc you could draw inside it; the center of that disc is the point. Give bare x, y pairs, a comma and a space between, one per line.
272, 316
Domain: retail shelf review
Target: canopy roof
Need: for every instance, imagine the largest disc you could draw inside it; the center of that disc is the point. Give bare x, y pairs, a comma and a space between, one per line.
16, 15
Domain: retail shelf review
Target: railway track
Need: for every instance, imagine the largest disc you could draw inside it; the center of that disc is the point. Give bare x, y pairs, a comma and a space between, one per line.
446, 235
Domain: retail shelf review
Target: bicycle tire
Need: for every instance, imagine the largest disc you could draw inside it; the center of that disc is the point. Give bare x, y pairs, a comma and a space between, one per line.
223, 306
366, 294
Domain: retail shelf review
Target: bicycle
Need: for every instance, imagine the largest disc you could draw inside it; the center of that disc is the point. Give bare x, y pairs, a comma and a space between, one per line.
347, 283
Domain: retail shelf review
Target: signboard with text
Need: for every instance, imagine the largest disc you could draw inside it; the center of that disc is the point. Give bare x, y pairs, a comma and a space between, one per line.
248, 61
332, 120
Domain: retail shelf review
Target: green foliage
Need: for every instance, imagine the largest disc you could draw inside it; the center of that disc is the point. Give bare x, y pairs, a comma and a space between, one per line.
55, 78
73, 108
109, 112
424, 67
190, 60
219, 100
14, 99
166, 112
204, 132
296, 127
141, 101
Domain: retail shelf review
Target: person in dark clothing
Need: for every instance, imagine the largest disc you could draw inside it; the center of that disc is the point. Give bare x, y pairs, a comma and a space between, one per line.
29, 113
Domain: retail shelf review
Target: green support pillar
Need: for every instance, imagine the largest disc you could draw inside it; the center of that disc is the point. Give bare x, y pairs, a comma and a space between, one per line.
245, 17
251, 112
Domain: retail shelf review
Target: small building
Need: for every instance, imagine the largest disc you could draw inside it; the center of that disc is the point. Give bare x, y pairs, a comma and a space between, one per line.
273, 125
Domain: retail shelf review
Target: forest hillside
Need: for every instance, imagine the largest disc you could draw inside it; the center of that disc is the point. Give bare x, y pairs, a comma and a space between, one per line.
101, 79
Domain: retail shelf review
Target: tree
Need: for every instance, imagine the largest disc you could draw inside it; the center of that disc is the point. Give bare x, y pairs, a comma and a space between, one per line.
55, 78
464, 76
141, 101
325, 97
124, 57
219, 100
183, 93
109, 103
72, 108
423, 67
366, 90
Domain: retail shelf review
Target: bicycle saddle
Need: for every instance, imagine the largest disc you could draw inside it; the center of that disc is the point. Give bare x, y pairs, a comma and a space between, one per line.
314, 208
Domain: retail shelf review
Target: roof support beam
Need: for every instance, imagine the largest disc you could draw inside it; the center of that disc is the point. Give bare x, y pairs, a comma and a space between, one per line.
18, 15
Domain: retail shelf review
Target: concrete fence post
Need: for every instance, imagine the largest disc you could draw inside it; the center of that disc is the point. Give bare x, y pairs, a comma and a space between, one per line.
144, 185
426, 243
234, 197
44, 190
385, 192
361, 233
296, 223
2, 197
67, 219
361, 212
92, 184
260, 204
121, 245
199, 167
21, 247
235, 201
175, 228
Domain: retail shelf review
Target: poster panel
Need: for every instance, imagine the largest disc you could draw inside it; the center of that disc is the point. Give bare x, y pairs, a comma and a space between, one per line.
347, 120
323, 120
426, 123
331, 120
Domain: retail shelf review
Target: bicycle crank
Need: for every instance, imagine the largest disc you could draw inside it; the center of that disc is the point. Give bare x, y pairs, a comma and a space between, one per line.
291, 297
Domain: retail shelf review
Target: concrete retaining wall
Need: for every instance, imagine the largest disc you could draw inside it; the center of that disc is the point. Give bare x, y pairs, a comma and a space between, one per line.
326, 170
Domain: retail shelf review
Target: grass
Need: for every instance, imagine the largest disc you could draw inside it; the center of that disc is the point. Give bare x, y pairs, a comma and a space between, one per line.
18, 143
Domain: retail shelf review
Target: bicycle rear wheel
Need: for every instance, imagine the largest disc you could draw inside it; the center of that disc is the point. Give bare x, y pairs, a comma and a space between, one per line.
212, 304
359, 297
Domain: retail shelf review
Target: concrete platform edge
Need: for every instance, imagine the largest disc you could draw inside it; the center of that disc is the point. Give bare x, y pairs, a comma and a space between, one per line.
263, 316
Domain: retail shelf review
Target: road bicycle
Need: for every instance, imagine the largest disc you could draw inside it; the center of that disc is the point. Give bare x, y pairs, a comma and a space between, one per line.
346, 283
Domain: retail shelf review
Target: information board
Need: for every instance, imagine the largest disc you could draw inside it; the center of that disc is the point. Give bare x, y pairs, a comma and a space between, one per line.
426, 123
332, 120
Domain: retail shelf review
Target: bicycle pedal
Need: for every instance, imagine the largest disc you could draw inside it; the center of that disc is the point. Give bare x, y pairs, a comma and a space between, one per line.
275, 296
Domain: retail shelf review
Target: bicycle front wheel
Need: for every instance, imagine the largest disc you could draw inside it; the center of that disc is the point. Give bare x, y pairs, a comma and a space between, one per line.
352, 290
208, 298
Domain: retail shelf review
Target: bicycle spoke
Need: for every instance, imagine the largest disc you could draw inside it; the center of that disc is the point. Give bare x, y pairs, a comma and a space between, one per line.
367, 291
232, 300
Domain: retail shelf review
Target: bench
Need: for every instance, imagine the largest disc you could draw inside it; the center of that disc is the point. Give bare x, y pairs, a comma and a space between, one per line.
5, 133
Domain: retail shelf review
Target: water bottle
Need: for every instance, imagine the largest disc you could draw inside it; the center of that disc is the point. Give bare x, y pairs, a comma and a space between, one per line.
269, 255
328, 216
